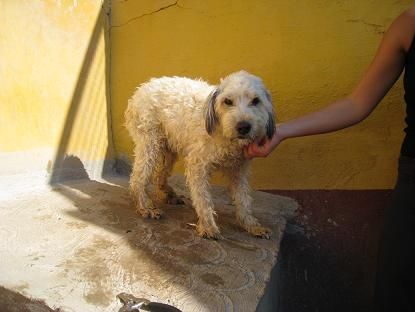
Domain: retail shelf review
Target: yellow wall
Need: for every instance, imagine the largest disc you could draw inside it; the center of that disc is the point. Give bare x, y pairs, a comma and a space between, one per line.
55, 77
308, 53
53, 81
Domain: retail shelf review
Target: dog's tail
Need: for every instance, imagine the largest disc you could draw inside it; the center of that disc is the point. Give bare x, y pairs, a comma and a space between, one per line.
131, 118
139, 115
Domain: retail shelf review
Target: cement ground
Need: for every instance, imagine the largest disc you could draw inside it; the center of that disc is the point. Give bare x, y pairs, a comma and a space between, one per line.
76, 245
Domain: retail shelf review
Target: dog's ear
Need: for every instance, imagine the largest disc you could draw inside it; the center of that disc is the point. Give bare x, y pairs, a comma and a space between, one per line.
211, 118
270, 127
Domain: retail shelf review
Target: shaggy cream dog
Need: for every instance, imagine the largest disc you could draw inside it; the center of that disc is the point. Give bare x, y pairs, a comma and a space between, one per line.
208, 126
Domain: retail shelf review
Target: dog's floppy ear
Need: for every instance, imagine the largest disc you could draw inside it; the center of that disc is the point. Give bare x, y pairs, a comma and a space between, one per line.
270, 127
211, 118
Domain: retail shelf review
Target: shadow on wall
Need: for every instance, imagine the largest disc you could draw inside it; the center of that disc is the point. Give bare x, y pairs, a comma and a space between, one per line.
87, 127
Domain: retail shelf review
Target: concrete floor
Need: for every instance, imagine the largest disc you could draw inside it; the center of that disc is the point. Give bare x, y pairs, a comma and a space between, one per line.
76, 245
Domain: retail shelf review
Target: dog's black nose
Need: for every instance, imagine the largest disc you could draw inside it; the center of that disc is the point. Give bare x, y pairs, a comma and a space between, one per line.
243, 127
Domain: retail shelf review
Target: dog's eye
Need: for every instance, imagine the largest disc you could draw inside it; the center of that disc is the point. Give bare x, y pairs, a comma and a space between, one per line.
228, 102
255, 101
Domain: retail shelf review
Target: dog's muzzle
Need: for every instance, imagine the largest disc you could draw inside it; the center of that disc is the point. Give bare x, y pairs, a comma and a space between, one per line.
243, 128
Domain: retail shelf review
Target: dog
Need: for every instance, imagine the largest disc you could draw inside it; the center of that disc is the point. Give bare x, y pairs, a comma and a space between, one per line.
208, 126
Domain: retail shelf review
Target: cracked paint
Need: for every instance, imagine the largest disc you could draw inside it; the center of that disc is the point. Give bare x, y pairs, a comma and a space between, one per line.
149, 9
175, 4
378, 29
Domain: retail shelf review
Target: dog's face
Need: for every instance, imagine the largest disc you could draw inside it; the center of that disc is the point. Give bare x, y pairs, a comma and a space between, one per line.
241, 109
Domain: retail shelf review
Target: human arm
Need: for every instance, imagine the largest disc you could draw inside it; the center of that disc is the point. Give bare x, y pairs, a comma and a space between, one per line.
383, 72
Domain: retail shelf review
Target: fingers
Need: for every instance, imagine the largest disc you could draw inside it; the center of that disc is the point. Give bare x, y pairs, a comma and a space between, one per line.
263, 141
256, 150
248, 153
262, 147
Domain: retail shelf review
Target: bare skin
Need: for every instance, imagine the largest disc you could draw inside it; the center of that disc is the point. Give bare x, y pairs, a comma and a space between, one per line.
381, 75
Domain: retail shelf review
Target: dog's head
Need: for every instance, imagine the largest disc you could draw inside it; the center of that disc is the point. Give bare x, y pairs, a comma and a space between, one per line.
240, 108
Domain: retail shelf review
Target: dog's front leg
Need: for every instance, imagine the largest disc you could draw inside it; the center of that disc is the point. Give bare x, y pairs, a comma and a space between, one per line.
240, 192
197, 176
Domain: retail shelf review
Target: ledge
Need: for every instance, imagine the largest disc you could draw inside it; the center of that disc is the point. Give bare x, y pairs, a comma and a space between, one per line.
77, 245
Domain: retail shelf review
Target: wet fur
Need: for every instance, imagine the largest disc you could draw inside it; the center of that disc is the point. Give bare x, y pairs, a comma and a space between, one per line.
172, 116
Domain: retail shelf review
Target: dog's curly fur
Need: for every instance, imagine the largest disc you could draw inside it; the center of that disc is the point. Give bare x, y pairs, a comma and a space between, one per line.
208, 126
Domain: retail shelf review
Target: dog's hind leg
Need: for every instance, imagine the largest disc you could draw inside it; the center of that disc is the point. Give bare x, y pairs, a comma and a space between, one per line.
240, 192
197, 176
163, 193
147, 151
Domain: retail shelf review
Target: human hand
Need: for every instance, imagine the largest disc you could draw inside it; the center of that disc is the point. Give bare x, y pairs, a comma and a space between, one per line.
263, 147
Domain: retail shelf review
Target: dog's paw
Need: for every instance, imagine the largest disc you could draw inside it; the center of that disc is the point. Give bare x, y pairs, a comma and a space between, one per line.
175, 200
215, 236
143, 212
150, 213
155, 213
209, 233
261, 232
172, 198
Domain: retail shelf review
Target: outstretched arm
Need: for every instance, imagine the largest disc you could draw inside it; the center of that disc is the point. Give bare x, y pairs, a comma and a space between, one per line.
383, 72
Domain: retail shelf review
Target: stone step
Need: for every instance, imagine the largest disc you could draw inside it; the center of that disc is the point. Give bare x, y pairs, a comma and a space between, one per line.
78, 244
